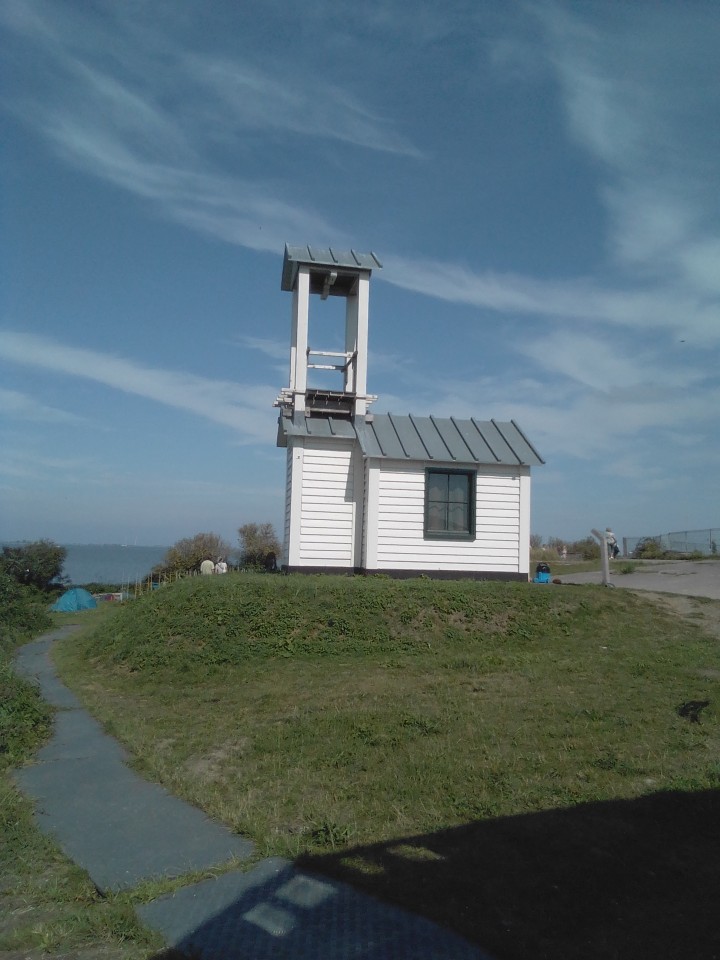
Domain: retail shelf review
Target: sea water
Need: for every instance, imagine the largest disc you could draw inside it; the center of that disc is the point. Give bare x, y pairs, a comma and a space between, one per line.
109, 562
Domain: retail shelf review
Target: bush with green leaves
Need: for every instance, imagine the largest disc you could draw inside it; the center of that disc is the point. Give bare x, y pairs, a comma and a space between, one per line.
37, 564
24, 718
23, 613
257, 542
649, 549
588, 549
187, 554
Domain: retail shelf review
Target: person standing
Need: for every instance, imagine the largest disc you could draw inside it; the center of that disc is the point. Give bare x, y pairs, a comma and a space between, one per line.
612, 545
221, 566
207, 567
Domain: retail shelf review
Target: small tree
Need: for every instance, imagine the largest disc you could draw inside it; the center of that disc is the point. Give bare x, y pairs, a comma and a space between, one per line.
257, 541
189, 553
588, 549
35, 564
649, 548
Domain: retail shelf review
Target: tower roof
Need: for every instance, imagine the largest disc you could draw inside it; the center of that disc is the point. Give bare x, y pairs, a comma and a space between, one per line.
325, 259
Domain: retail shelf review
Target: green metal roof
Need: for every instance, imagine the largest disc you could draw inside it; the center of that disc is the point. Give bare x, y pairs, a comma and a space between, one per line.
325, 258
437, 439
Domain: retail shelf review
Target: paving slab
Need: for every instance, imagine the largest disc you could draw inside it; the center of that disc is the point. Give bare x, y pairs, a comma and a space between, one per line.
119, 827
275, 912
33, 662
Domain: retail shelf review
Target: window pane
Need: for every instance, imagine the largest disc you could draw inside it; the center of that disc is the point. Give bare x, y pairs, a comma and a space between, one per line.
458, 488
458, 517
438, 486
437, 516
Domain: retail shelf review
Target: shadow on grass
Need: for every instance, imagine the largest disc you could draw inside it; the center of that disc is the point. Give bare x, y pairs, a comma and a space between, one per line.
621, 879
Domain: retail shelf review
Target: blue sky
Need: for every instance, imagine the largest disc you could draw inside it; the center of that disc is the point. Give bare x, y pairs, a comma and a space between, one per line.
540, 181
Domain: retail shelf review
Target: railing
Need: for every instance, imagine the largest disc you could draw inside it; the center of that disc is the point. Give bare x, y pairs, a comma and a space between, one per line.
706, 542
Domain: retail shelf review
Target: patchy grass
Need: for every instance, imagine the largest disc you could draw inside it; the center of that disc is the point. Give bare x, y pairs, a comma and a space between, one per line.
471, 750
48, 906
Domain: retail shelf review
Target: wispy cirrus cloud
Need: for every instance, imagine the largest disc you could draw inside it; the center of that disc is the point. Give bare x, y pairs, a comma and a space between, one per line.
246, 97
21, 463
642, 105
641, 97
15, 405
271, 348
245, 409
145, 116
600, 363
646, 307
112, 121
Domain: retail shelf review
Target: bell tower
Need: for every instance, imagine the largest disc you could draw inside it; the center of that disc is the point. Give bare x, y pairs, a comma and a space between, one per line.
326, 272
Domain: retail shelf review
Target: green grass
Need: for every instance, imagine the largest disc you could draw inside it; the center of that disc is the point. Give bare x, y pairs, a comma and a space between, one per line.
398, 733
47, 904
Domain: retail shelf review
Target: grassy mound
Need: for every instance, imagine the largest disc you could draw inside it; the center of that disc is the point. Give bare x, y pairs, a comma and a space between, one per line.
199, 624
477, 751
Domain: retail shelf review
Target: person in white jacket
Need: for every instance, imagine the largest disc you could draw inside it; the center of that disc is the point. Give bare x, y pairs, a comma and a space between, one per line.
612, 545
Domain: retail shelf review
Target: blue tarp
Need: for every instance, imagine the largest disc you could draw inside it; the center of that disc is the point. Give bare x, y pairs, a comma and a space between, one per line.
75, 599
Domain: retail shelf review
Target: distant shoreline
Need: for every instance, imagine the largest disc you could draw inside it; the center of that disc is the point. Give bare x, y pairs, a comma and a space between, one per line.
124, 546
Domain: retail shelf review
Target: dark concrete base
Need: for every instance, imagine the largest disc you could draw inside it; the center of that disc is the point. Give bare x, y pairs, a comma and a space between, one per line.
398, 574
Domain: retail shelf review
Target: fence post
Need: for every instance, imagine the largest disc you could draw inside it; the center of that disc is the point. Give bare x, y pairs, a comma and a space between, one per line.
603, 556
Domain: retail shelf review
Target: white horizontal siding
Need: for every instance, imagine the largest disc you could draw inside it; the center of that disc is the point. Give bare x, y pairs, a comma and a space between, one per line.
327, 509
400, 523
288, 503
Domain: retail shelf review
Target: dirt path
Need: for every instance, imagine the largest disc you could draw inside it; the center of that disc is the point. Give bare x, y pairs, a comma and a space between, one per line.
699, 610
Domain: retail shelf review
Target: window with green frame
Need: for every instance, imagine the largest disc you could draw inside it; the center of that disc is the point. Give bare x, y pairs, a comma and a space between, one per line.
449, 504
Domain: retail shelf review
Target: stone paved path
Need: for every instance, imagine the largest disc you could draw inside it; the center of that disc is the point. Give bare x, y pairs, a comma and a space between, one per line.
124, 830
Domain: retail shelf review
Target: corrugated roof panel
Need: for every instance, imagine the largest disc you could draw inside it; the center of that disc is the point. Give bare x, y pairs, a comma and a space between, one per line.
408, 437
458, 449
368, 440
323, 257
387, 438
302, 426
523, 448
430, 438
441, 440
495, 439
473, 437
329, 427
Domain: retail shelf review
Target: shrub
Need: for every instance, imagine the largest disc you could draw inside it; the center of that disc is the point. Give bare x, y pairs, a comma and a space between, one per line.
35, 564
588, 549
649, 548
257, 542
189, 553
24, 717
23, 613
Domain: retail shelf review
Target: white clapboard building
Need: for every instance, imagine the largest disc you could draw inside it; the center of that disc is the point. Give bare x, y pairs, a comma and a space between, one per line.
381, 493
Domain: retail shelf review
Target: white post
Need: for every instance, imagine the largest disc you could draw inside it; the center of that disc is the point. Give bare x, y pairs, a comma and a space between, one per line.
356, 326
523, 521
603, 556
299, 344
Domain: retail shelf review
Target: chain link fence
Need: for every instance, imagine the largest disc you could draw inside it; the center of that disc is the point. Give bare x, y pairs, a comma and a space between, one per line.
706, 542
